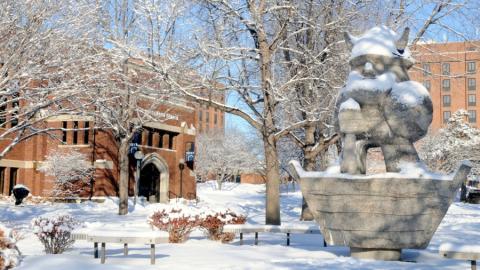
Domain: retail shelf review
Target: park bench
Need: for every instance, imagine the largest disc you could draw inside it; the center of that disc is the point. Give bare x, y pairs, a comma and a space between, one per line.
287, 229
120, 237
461, 252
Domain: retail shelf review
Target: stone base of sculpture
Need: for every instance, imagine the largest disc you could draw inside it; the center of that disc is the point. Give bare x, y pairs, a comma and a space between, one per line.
378, 215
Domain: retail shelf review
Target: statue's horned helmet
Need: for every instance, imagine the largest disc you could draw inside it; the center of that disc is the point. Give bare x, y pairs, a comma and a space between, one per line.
401, 43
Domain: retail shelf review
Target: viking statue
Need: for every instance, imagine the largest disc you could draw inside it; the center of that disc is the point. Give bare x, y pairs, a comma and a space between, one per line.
379, 106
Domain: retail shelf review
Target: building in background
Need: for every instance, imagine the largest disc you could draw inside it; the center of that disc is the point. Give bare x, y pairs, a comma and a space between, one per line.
209, 118
450, 73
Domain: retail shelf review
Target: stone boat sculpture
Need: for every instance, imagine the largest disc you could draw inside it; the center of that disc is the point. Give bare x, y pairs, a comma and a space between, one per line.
378, 215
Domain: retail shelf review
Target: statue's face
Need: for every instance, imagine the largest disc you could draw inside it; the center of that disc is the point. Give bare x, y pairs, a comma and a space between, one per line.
371, 66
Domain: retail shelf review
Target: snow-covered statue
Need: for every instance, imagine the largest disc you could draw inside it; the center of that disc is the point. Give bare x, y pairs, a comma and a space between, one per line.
380, 106
378, 215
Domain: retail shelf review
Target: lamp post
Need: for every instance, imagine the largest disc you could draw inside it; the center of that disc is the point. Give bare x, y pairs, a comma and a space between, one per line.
181, 166
138, 156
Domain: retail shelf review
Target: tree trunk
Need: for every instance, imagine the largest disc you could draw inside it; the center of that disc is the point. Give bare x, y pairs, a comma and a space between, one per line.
309, 164
272, 215
123, 164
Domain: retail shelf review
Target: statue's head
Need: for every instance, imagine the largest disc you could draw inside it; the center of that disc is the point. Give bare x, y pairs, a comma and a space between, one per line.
378, 51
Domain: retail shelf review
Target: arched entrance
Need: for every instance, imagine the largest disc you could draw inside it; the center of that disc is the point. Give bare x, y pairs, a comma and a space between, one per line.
154, 177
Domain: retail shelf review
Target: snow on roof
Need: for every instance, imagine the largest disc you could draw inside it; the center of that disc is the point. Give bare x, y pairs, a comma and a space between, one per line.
379, 40
410, 93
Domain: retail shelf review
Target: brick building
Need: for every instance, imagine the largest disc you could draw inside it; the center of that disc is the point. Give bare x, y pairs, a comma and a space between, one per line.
450, 72
164, 172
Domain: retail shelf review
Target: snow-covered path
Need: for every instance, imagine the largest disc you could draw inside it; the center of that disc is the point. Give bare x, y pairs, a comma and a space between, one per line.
462, 225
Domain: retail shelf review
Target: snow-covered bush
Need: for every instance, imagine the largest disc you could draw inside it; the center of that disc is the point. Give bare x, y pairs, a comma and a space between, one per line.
54, 232
179, 222
9, 254
71, 172
213, 221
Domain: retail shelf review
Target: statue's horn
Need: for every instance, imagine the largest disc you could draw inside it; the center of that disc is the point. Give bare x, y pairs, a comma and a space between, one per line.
402, 42
349, 40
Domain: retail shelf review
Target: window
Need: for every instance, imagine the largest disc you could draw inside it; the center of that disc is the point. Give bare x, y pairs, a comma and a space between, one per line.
472, 116
471, 67
75, 132
446, 69
427, 85
446, 116
160, 140
64, 136
215, 120
86, 132
15, 107
200, 114
150, 138
446, 85
446, 101
3, 111
207, 117
472, 100
170, 141
472, 84
13, 180
426, 70
2, 179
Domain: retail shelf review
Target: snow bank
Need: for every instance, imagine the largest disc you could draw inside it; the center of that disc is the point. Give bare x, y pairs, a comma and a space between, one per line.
380, 41
409, 93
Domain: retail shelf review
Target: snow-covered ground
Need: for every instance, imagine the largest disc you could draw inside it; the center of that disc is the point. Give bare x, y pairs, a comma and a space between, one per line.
461, 225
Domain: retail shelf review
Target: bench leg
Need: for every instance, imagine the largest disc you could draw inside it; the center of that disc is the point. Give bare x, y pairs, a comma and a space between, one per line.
241, 238
152, 253
102, 260
125, 249
95, 250
256, 238
474, 265
288, 239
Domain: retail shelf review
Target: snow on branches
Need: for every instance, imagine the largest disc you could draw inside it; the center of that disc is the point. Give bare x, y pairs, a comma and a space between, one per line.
9, 254
54, 232
70, 169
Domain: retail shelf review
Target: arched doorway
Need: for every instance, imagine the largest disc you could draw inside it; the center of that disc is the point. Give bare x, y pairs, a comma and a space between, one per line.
154, 177
149, 186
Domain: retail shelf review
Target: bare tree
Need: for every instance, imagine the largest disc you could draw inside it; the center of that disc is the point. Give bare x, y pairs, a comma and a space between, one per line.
71, 172
224, 155
45, 51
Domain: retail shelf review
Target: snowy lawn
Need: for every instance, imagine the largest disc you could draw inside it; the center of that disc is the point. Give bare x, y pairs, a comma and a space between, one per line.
461, 225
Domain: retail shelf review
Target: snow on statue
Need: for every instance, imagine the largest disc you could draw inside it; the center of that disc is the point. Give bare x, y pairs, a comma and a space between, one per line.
380, 106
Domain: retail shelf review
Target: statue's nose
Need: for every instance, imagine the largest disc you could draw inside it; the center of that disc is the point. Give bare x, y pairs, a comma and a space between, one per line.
368, 71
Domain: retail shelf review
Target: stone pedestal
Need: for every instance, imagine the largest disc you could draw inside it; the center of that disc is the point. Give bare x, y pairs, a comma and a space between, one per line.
378, 215
376, 254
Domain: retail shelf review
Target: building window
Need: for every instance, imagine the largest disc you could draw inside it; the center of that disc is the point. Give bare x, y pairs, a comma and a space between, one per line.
207, 117
427, 85
13, 180
3, 112
446, 85
75, 132
472, 100
150, 138
471, 67
215, 119
446, 101
472, 116
446, 116
426, 70
64, 136
2, 180
200, 115
445, 69
170, 141
472, 84
86, 132
160, 140
15, 108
